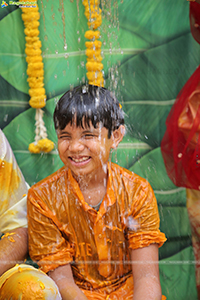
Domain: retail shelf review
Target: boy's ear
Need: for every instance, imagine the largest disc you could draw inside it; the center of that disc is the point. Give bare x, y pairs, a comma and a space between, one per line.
117, 136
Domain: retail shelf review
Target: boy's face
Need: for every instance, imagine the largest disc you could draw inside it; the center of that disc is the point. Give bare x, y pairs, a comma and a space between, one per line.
85, 150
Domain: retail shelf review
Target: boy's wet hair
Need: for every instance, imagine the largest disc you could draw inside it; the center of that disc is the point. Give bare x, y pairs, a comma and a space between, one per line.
88, 104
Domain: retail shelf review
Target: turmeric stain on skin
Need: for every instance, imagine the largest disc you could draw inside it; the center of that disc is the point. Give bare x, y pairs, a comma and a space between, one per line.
7, 235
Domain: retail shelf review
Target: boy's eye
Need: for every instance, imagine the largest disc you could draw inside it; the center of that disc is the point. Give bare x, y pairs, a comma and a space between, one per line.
88, 136
66, 137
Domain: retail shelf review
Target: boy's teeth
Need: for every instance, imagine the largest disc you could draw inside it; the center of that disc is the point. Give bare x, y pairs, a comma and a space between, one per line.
79, 159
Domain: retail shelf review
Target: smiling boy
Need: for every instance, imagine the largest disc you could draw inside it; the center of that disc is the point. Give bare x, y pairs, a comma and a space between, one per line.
93, 225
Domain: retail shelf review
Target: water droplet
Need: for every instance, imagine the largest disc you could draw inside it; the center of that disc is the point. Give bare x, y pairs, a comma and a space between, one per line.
5, 118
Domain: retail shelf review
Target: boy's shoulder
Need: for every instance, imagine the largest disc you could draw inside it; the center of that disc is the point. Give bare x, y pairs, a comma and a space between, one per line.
129, 178
51, 179
123, 172
131, 183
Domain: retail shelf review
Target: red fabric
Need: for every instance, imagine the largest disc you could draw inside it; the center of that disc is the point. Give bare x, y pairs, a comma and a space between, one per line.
180, 146
195, 20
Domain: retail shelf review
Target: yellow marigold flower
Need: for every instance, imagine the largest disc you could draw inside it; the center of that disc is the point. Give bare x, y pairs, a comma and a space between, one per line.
38, 101
32, 25
94, 66
95, 24
93, 12
31, 39
94, 45
35, 73
31, 16
31, 32
34, 45
36, 92
34, 148
91, 34
46, 145
98, 58
33, 52
93, 53
36, 82
35, 66
34, 59
97, 82
94, 75
92, 2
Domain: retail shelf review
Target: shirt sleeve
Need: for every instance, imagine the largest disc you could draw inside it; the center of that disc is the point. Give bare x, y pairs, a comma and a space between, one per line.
13, 190
49, 243
142, 222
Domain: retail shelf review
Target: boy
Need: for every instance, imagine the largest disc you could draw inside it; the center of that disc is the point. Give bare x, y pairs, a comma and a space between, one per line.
93, 226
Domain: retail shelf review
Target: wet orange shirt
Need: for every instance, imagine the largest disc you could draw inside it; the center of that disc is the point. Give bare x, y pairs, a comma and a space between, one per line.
64, 229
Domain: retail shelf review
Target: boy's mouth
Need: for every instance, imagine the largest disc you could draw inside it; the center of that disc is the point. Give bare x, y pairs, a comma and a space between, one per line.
80, 159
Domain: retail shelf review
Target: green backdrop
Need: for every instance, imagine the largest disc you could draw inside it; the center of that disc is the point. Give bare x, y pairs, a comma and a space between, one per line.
149, 54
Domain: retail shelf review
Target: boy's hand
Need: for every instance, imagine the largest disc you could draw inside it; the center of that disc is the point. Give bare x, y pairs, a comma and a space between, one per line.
63, 277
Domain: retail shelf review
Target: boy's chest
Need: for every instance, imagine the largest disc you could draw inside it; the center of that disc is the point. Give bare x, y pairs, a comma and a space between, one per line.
97, 236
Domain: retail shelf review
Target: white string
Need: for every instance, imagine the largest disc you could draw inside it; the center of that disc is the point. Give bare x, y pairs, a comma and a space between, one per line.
40, 131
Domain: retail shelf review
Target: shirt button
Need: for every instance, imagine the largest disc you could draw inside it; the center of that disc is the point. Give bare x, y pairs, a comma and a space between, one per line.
100, 235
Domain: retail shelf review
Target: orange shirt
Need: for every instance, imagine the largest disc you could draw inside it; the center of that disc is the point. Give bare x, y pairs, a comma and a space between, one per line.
64, 229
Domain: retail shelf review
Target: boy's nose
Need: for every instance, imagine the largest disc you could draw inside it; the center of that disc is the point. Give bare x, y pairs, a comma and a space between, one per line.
76, 146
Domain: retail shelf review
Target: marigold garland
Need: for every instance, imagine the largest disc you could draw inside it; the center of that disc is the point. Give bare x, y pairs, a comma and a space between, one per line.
35, 72
93, 51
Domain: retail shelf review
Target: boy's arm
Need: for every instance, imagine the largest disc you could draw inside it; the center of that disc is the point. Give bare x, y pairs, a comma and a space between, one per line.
63, 277
146, 273
13, 249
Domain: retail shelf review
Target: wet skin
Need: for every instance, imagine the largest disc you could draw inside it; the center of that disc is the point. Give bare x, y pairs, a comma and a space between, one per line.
85, 151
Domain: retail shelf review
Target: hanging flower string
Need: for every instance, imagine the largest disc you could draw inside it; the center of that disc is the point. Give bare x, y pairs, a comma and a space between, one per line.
93, 51
35, 72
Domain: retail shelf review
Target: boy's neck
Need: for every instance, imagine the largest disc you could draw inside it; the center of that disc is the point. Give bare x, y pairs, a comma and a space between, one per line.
93, 187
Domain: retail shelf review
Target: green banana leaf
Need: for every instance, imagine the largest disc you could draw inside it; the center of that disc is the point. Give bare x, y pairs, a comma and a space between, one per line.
177, 276
129, 151
12, 102
56, 31
151, 166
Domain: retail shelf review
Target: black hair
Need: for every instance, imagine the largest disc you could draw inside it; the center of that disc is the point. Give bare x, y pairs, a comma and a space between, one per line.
89, 103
